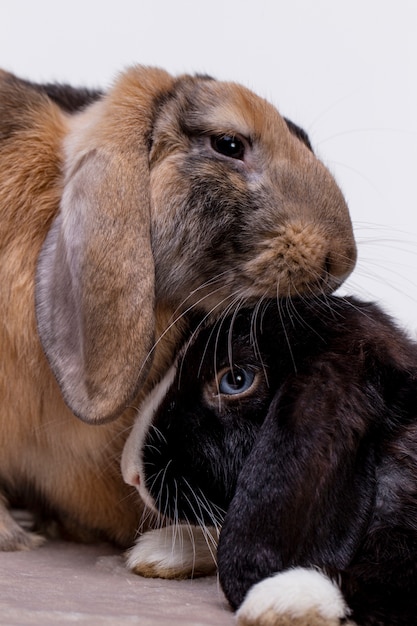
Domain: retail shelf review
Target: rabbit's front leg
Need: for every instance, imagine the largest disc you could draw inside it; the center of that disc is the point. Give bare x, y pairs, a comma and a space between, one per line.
296, 597
12, 535
176, 551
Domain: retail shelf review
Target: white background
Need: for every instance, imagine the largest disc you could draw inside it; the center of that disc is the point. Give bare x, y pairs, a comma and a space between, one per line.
346, 70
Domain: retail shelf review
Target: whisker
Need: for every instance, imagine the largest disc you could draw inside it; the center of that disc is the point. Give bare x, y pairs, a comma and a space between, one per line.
258, 311
399, 131
154, 430
181, 316
195, 332
279, 306
209, 282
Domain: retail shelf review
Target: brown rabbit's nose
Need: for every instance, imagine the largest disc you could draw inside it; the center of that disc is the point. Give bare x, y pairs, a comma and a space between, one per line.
300, 258
337, 267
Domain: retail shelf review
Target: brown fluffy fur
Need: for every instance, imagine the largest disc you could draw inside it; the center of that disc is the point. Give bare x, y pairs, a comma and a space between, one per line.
69, 465
84, 178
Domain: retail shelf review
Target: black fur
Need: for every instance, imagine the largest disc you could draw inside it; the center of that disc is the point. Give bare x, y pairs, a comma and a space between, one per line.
316, 465
70, 99
299, 132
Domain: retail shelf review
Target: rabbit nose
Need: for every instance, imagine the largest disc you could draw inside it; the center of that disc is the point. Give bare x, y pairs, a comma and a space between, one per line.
136, 480
132, 478
338, 267
301, 257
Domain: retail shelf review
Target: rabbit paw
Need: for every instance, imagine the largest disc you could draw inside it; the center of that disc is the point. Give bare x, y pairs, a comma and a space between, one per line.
12, 536
174, 552
20, 540
297, 597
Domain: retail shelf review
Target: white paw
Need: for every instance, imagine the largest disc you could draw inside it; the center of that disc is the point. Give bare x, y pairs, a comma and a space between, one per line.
297, 596
174, 552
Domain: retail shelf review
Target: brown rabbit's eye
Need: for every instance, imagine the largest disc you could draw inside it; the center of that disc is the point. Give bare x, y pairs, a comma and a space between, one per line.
228, 145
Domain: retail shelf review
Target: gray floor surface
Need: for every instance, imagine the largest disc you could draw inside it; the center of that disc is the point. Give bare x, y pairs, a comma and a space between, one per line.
67, 583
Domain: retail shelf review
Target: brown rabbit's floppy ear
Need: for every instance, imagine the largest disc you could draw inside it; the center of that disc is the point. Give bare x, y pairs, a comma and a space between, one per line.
95, 275
304, 493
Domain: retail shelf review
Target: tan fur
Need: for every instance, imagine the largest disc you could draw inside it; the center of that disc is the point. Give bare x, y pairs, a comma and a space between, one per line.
271, 618
104, 223
74, 467
151, 570
116, 224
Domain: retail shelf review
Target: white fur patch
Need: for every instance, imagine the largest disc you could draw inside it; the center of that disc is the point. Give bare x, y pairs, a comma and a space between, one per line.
174, 552
132, 466
294, 593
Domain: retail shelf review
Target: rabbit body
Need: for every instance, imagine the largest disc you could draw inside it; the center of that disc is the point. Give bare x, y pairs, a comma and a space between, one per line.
120, 211
293, 426
50, 461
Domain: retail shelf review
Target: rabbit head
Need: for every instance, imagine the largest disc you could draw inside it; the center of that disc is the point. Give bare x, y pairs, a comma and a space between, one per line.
195, 429
177, 193
270, 425
237, 191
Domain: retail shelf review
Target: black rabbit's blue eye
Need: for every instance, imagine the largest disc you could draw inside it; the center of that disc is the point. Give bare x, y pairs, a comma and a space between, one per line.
236, 381
229, 146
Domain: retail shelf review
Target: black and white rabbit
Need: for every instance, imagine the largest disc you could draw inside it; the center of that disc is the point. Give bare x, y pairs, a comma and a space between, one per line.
299, 421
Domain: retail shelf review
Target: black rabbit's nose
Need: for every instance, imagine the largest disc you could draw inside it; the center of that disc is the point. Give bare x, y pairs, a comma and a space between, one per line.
133, 479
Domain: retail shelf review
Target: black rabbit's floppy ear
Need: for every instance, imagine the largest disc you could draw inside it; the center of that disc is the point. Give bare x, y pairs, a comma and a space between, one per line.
95, 275
304, 493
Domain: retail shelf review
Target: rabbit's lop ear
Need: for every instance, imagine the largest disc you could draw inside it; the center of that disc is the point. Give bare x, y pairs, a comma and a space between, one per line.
95, 276
302, 495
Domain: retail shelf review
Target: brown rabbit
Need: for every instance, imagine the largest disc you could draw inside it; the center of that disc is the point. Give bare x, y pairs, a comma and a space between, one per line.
119, 212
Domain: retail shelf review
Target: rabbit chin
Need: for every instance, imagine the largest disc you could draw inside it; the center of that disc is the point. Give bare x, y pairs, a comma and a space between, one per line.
132, 457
